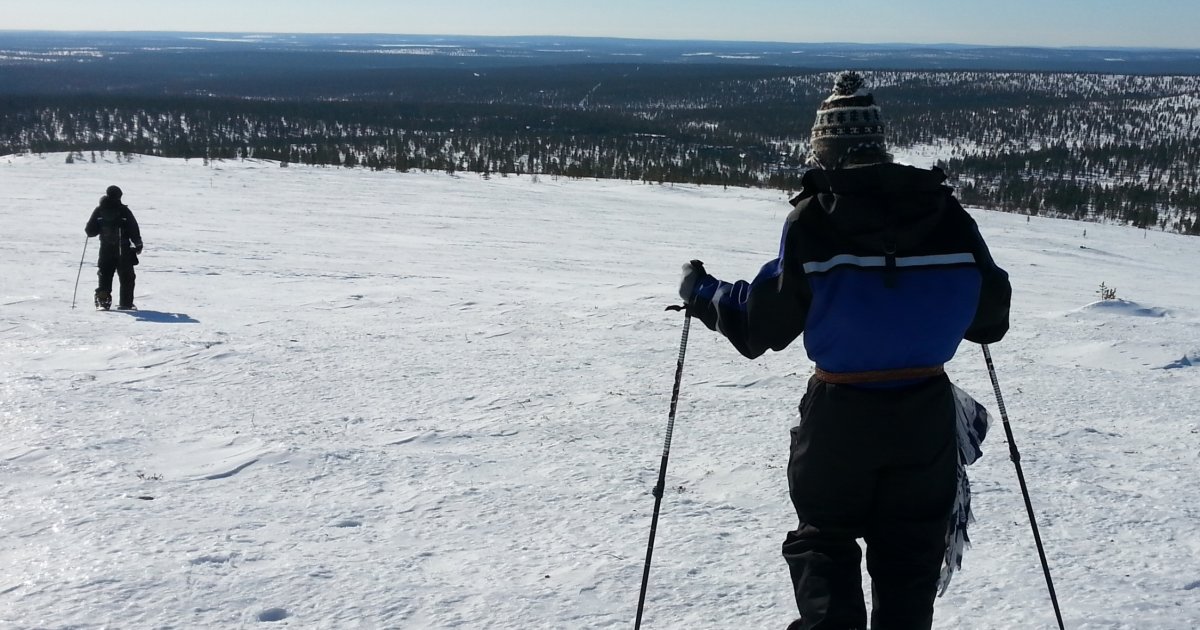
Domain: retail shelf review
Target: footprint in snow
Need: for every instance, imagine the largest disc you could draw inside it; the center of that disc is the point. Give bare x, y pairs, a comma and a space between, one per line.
273, 614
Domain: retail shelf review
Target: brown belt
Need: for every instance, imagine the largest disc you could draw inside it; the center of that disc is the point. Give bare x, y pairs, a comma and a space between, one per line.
879, 376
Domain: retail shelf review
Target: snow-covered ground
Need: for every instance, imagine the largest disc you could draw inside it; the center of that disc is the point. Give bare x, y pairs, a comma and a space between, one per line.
380, 400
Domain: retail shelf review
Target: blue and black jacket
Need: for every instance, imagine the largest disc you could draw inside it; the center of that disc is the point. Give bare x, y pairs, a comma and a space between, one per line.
879, 266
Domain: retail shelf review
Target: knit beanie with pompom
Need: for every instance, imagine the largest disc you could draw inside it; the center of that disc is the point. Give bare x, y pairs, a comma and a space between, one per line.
847, 122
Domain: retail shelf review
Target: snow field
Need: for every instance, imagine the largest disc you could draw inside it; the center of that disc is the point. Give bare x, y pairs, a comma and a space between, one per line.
381, 400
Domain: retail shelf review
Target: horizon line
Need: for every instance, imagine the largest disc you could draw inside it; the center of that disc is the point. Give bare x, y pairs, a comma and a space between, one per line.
608, 37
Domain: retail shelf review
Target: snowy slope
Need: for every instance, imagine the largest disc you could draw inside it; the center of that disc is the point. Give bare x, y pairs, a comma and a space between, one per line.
381, 400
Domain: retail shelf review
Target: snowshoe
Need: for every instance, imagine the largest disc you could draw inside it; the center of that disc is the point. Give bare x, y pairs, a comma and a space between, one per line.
126, 307
103, 300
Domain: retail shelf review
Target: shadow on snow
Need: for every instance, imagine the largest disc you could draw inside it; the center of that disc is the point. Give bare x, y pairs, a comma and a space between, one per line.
161, 318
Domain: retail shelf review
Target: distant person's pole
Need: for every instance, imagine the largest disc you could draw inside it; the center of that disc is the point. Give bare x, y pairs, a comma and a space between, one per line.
76, 291
1015, 456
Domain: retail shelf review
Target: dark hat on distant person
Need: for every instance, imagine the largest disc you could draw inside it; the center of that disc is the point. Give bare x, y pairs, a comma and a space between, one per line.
113, 192
849, 125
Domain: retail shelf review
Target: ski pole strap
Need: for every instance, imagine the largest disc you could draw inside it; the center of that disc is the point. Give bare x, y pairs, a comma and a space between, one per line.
879, 376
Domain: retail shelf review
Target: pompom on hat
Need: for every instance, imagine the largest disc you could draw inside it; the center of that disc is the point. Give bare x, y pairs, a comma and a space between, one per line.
848, 122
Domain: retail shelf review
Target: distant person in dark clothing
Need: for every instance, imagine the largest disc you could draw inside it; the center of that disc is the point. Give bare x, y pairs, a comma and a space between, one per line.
885, 274
120, 244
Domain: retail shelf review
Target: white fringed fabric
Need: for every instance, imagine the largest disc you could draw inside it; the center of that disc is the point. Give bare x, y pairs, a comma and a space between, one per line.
973, 422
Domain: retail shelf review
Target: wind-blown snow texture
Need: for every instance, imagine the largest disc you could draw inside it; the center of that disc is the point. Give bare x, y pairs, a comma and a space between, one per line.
368, 400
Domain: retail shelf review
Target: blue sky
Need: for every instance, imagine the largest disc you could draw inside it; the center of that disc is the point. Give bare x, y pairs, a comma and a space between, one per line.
1158, 23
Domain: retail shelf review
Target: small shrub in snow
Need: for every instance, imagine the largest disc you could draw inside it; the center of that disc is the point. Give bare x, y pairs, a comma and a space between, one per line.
1107, 293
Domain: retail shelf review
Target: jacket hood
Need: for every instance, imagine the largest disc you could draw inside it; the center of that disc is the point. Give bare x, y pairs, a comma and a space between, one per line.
884, 207
108, 203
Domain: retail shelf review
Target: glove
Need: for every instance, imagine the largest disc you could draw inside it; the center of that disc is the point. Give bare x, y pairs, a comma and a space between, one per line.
693, 273
137, 247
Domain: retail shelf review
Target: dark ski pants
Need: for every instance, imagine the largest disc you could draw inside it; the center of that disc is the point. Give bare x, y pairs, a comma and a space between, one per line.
124, 272
876, 464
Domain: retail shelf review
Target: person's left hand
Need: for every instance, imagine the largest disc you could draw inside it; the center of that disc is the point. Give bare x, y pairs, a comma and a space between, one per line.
693, 273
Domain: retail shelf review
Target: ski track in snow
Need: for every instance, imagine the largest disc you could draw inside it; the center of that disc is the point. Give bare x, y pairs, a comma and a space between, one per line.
371, 400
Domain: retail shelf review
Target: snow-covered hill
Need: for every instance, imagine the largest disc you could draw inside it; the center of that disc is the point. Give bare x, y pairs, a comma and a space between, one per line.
373, 400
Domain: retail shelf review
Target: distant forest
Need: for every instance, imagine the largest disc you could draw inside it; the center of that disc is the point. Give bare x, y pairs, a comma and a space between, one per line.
1101, 147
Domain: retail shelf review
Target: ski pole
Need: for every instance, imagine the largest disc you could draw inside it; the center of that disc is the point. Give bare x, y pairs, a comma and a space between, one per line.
80, 272
1016, 460
662, 468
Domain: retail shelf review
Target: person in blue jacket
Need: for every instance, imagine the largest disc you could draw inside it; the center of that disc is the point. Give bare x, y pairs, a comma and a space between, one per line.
120, 244
885, 274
